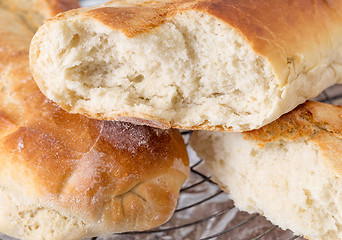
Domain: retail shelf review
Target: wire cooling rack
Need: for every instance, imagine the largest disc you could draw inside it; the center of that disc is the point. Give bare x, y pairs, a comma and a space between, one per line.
204, 211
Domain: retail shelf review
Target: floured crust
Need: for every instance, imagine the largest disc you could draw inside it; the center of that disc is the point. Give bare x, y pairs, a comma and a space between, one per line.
58, 167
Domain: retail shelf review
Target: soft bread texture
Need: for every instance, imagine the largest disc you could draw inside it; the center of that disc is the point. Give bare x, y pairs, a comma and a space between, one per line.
64, 176
214, 65
290, 170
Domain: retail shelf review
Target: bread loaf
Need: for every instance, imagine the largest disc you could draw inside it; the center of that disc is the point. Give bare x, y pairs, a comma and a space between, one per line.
290, 170
193, 64
64, 176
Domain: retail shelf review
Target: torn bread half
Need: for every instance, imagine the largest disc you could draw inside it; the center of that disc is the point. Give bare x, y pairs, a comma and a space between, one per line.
290, 170
212, 65
65, 176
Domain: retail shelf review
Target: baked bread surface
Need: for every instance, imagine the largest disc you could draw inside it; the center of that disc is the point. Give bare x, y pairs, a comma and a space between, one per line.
289, 170
65, 176
213, 65
35, 11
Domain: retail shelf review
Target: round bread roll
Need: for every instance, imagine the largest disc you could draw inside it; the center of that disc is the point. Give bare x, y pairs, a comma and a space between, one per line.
192, 64
290, 171
64, 176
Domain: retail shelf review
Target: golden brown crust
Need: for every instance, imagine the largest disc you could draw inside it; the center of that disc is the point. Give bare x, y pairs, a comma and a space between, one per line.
133, 20
317, 122
118, 175
303, 122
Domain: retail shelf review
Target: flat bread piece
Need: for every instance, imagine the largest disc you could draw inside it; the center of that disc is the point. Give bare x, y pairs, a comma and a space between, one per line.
65, 176
223, 65
290, 171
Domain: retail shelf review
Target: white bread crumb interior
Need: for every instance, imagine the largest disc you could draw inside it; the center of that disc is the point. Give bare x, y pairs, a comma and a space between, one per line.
286, 182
